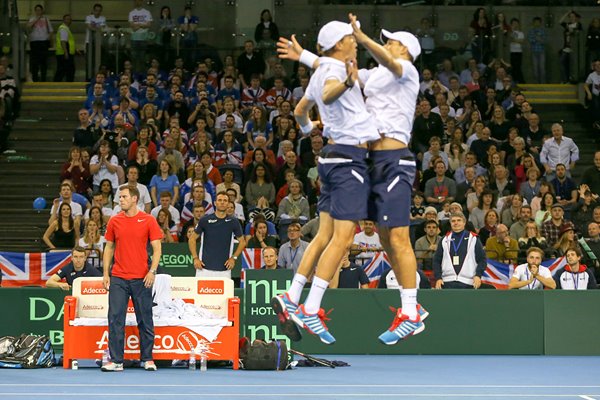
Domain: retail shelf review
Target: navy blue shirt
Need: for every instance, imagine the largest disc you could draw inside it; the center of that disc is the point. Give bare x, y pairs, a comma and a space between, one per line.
216, 236
352, 277
69, 274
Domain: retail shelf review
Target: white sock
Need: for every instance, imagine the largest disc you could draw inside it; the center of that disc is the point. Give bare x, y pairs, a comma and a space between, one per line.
296, 288
409, 303
317, 290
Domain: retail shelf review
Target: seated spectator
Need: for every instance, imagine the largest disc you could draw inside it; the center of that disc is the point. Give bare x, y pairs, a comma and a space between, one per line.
502, 184
167, 204
558, 150
530, 188
487, 201
545, 212
502, 247
536, 202
293, 207
66, 197
591, 246
212, 173
430, 215
532, 275
574, 275
168, 227
551, 229
291, 252
86, 134
165, 181
470, 161
366, 242
591, 176
146, 166
198, 175
518, 226
417, 210
426, 126
93, 243
291, 163
456, 157
259, 156
249, 228
511, 209
480, 146
257, 125
62, 232
104, 165
567, 239
77, 268
564, 188
169, 150
269, 255
143, 138
261, 238
283, 191
349, 276
425, 246
77, 171
440, 188
228, 183
229, 151
583, 212
311, 146
260, 193
198, 196
435, 145
197, 213
532, 237
488, 230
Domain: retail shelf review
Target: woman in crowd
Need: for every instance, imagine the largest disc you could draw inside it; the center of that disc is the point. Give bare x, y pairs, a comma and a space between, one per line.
165, 180
166, 26
143, 139
228, 183
294, 206
104, 165
229, 151
200, 144
531, 237
99, 218
260, 192
486, 202
93, 242
511, 214
257, 125
62, 234
167, 226
499, 125
567, 239
489, 228
536, 202
147, 166
261, 238
78, 171
198, 174
530, 188
107, 190
266, 23
543, 213
473, 197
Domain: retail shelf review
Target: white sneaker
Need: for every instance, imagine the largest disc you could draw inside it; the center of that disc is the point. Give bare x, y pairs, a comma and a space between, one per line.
112, 367
150, 366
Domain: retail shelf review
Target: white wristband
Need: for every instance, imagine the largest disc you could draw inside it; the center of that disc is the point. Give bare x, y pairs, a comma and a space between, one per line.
306, 129
307, 58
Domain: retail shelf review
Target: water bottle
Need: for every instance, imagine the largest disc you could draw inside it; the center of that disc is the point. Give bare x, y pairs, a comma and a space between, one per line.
192, 362
74, 365
203, 361
105, 357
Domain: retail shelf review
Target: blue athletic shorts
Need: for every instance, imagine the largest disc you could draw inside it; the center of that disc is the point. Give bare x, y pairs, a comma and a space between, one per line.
392, 176
345, 184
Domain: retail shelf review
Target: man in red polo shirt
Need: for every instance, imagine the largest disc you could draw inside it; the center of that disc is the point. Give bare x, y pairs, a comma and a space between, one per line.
127, 236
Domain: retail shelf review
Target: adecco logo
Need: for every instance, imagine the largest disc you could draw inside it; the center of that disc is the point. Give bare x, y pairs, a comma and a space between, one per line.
211, 287
187, 341
92, 287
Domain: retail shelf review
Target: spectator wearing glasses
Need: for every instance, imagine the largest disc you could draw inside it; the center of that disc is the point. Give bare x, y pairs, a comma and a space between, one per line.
291, 252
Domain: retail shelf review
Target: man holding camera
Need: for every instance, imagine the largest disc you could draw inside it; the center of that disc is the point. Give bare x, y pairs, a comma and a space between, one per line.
532, 275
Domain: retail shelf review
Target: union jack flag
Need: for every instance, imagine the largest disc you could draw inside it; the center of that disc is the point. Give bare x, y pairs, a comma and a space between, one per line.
555, 264
498, 274
251, 259
31, 269
375, 267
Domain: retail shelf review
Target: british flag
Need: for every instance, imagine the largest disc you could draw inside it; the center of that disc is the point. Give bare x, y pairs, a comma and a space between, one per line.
555, 264
251, 259
31, 269
498, 274
374, 267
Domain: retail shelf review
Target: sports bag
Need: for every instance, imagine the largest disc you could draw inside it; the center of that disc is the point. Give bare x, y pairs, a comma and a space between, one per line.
261, 355
26, 351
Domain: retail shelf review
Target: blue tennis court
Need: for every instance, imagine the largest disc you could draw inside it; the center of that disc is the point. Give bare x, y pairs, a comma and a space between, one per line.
368, 377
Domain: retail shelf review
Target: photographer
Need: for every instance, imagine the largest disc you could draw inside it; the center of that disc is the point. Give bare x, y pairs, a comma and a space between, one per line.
202, 110
532, 275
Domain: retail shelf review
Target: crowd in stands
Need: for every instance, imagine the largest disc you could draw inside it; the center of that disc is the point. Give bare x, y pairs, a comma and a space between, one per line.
184, 134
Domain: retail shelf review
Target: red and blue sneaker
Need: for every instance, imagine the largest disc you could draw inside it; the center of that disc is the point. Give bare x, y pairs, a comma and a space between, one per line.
284, 307
401, 328
314, 323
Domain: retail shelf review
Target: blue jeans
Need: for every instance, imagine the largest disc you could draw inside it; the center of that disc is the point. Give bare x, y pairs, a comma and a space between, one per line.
118, 296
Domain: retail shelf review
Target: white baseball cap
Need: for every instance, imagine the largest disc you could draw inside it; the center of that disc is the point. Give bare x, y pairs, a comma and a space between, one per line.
332, 32
406, 38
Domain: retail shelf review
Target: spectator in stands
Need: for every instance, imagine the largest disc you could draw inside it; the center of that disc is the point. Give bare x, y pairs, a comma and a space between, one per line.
567, 239
269, 254
143, 138
426, 246
86, 134
144, 200
480, 146
77, 268
440, 188
228, 183
491, 221
199, 176
256, 126
249, 63
531, 237
266, 23
544, 213
435, 145
229, 151
261, 238
66, 197
591, 246
459, 260
167, 226
40, 31
93, 243
65, 51
487, 201
291, 252
77, 171
456, 156
502, 247
558, 150
260, 192
552, 228
169, 151
531, 188
197, 196
425, 126
574, 275
212, 173
565, 188
166, 26
63, 231
104, 165
470, 161
349, 276
267, 155
167, 205
294, 207
473, 195
140, 21
518, 226
537, 45
291, 163
502, 184
591, 176
571, 25
592, 90
366, 242
583, 211
532, 274
197, 213
189, 41
147, 167
165, 181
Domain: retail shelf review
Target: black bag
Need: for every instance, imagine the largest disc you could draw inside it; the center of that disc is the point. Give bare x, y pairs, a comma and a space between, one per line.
261, 355
26, 351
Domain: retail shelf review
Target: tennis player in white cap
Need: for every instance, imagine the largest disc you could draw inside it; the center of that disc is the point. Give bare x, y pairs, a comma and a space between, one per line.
391, 91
